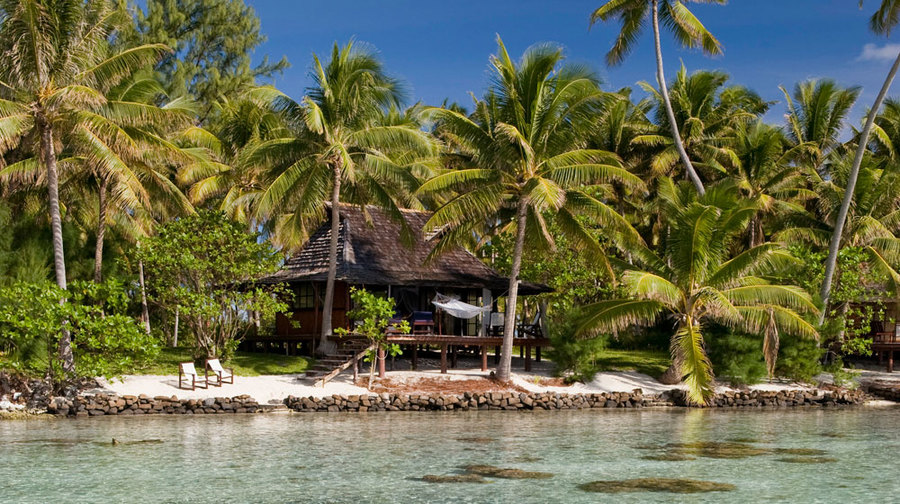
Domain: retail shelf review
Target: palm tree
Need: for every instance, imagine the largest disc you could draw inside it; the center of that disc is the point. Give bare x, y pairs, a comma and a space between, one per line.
688, 31
132, 162
54, 64
886, 131
229, 179
341, 142
524, 161
709, 112
764, 174
882, 22
872, 225
816, 114
620, 122
696, 281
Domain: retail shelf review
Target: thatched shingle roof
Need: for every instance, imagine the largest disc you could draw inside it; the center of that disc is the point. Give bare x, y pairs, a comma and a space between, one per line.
371, 252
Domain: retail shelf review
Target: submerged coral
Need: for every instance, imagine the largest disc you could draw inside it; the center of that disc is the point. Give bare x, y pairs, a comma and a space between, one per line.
807, 460
724, 450
800, 451
719, 450
476, 439
528, 458
453, 478
671, 485
669, 457
506, 473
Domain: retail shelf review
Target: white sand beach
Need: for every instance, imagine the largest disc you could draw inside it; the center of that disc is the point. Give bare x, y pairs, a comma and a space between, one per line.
274, 388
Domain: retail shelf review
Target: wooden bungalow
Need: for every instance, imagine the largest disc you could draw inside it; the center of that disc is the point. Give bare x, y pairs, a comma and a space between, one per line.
372, 255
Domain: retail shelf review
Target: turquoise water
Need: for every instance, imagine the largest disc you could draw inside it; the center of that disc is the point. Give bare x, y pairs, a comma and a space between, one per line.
338, 458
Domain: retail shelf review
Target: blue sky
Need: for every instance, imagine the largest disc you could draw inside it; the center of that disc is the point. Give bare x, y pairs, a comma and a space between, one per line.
441, 48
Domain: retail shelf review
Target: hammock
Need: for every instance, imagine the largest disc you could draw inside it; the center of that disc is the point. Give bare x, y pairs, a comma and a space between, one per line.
457, 308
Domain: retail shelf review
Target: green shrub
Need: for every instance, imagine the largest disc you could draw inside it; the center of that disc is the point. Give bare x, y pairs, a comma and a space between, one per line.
655, 337
574, 357
799, 358
106, 341
736, 358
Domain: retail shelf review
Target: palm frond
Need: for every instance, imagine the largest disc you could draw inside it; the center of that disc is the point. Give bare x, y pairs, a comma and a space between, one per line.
690, 358
617, 315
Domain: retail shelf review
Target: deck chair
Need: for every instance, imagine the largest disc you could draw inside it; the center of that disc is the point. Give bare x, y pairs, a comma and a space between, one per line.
532, 330
188, 373
497, 323
222, 375
422, 322
393, 322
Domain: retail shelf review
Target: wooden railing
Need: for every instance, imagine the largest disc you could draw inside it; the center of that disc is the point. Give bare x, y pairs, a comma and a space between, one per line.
352, 361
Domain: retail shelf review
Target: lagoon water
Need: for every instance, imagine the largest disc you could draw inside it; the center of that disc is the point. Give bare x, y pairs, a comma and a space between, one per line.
350, 458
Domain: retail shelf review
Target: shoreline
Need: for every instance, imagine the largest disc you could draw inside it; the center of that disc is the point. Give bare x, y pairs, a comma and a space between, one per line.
460, 389
128, 405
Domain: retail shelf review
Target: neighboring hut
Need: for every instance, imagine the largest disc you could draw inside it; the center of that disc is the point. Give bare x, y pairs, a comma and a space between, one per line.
372, 255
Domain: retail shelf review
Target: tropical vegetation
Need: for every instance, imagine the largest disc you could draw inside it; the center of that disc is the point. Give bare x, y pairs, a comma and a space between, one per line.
150, 174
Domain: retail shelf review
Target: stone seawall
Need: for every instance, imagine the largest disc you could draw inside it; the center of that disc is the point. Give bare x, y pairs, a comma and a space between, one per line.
889, 390
784, 398
102, 404
556, 401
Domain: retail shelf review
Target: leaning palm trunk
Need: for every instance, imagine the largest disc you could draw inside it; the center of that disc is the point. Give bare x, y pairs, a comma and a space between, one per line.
47, 148
101, 231
661, 77
835, 245
509, 323
328, 305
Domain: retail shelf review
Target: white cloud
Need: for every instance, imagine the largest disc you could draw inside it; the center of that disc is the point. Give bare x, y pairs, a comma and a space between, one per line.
872, 52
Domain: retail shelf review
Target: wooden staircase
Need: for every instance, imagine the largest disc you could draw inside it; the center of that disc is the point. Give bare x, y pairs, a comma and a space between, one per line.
350, 350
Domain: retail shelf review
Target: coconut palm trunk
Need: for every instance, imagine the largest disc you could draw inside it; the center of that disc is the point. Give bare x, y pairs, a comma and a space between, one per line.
509, 323
145, 312
328, 305
49, 154
756, 232
175, 330
101, 230
835, 245
661, 78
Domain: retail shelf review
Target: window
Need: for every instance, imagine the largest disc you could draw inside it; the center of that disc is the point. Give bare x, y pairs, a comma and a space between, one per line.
305, 296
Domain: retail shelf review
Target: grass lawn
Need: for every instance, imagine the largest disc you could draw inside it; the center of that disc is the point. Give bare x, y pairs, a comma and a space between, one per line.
244, 363
649, 362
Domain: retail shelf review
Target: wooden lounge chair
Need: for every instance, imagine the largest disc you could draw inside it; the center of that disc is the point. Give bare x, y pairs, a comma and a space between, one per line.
188, 373
222, 375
